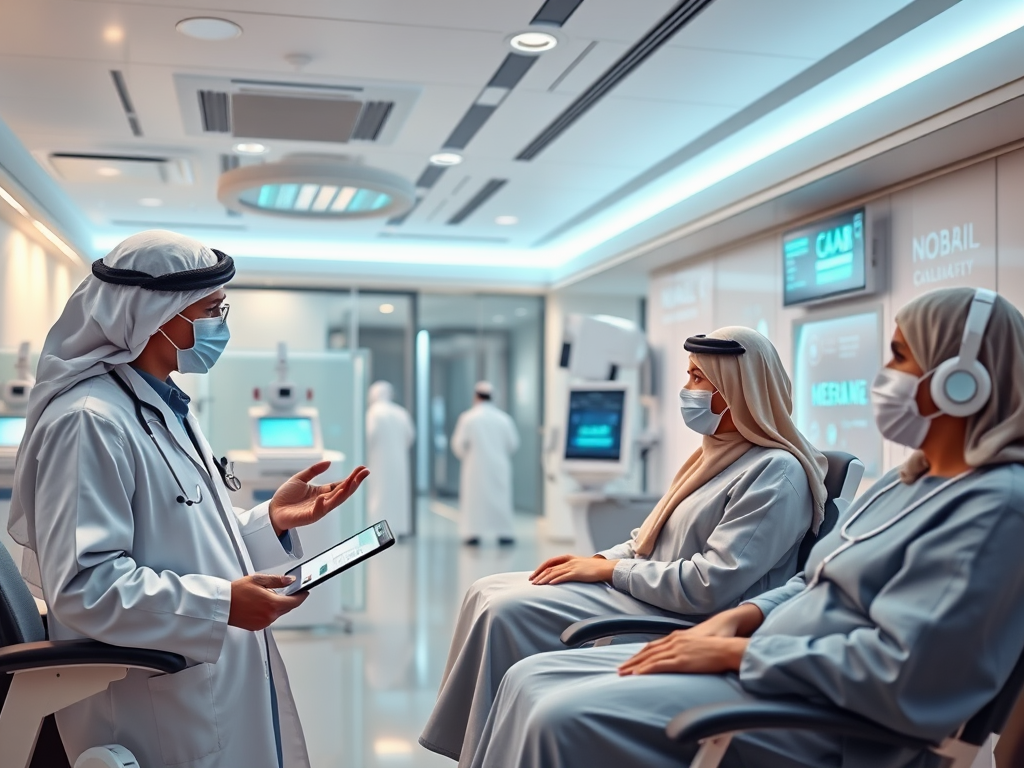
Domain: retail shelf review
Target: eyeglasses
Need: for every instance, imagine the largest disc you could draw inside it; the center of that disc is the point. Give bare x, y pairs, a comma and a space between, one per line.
223, 311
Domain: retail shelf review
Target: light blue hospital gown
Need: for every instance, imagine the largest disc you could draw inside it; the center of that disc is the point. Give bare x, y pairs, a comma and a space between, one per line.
917, 629
735, 537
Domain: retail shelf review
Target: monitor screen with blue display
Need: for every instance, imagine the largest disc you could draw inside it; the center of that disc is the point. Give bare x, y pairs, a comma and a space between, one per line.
594, 430
835, 360
286, 432
824, 259
12, 429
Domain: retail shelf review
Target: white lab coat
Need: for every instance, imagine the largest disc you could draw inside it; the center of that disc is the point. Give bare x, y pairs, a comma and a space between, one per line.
122, 562
484, 440
389, 435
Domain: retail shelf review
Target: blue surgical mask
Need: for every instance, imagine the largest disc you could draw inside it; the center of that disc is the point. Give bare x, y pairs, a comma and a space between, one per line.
211, 337
695, 405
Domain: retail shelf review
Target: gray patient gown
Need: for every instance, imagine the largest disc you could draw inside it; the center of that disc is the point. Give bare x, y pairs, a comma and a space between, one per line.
917, 629
735, 537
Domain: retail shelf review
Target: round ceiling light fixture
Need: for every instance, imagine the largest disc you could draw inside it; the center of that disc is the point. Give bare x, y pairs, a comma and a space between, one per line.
250, 148
313, 187
533, 42
208, 28
446, 158
386, 309
506, 221
108, 171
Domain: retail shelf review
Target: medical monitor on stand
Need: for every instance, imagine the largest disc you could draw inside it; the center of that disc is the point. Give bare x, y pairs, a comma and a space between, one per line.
598, 436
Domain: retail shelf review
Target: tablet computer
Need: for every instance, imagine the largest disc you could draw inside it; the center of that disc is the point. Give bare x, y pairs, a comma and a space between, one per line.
350, 552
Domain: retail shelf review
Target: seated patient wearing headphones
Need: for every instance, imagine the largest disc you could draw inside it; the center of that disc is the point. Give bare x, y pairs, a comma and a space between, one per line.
910, 612
728, 529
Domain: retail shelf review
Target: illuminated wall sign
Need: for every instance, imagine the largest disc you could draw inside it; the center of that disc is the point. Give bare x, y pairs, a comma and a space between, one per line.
825, 259
944, 234
834, 362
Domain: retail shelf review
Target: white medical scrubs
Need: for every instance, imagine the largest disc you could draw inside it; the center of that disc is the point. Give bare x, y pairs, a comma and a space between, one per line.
916, 629
735, 537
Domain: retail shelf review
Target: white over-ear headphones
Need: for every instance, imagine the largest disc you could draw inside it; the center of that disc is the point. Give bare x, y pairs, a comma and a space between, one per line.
961, 386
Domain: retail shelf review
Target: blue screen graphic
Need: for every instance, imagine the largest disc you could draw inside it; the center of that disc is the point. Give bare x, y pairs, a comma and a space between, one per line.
12, 429
286, 432
824, 259
595, 425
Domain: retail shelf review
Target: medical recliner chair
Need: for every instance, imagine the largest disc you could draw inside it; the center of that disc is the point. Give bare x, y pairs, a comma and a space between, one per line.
713, 726
39, 677
842, 480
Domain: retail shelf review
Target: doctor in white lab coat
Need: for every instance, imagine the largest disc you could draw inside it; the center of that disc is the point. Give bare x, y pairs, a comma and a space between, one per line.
484, 440
389, 436
130, 534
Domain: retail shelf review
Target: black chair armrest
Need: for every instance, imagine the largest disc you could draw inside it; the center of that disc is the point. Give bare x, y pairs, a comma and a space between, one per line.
75, 653
754, 714
589, 630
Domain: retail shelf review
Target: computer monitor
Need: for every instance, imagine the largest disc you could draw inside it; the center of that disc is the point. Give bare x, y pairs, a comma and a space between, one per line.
12, 429
285, 432
598, 443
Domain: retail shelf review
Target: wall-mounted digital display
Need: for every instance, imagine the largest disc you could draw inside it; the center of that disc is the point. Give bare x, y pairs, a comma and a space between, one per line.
286, 432
12, 429
594, 430
825, 259
835, 361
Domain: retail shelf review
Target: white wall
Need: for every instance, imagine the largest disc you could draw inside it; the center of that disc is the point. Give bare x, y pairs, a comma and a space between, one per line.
964, 228
34, 286
558, 305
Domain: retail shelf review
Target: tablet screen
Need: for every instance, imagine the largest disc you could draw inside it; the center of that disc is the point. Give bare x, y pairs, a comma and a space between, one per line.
336, 559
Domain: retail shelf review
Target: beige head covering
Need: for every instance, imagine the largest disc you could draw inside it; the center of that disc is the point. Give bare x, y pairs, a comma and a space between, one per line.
760, 399
933, 325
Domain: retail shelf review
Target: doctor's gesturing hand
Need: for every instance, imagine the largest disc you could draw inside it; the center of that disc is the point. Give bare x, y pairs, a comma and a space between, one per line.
298, 503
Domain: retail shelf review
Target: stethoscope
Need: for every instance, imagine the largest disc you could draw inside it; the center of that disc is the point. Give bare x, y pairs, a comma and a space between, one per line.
224, 468
844, 530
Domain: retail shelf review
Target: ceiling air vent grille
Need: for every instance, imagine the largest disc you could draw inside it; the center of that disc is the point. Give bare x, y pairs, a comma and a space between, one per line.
657, 36
214, 110
486, 193
371, 120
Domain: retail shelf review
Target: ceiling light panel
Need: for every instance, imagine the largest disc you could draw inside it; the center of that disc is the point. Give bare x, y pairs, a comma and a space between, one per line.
208, 28
315, 187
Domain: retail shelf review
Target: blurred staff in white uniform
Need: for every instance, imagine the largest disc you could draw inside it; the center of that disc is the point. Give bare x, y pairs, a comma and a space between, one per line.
389, 436
130, 534
484, 440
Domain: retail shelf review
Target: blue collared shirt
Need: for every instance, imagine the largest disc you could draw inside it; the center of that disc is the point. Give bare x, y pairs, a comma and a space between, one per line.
170, 393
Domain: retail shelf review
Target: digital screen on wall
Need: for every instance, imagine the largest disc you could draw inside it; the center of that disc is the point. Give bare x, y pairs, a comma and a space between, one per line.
835, 361
824, 259
594, 428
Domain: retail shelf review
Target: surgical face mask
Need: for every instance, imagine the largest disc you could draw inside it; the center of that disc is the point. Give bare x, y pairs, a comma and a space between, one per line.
211, 337
695, 405
894, 399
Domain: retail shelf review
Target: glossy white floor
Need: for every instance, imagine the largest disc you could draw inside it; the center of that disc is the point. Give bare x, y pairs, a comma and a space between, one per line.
364, 697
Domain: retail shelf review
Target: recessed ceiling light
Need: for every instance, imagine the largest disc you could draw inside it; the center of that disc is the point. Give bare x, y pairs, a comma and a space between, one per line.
386, 309
533, 42
498, 319
113, 34
446, 158
107, 171
151, 202
507, 221
208, 28
522, 311
250, 148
